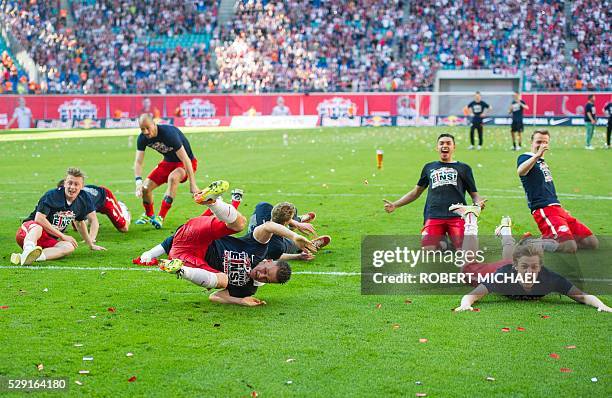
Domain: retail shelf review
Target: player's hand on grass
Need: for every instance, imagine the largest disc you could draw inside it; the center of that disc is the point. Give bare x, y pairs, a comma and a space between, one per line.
251, 301
389, 206
464, 308
69, 239
306, 228
305, 256
604, 308
304, 243
96, 248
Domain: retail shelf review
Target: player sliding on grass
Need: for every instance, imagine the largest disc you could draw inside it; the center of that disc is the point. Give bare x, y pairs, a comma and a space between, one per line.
448, 181
202, 251
42, 234
561, 231
524, 259
178, 166
285, 213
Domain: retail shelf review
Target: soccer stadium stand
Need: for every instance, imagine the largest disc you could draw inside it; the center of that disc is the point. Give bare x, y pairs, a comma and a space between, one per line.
135, 46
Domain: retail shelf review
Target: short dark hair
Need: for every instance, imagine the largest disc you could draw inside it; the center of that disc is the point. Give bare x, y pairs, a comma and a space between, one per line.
447, 135
477, 92
60, 183
284, 272
283, 212
591, 96
73, 171
540, 131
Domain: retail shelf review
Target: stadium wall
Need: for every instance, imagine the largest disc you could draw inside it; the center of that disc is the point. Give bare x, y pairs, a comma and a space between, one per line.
91, 111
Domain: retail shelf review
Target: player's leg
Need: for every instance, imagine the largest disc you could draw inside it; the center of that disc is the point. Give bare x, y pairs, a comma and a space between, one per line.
513, 134
61, 249
464, 231
237, 195
147, 201
608, 134
116, 213
504, 232
432, 233
590, 128
480, 133
519, 135
225, 213
196, 275
585, 239
556, 233
472, 129
27, 237
174, 179
261, 214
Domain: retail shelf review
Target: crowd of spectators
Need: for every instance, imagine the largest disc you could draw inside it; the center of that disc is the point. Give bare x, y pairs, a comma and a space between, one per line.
111, 46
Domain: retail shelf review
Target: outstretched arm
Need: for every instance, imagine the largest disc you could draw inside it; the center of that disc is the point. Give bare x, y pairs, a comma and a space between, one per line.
82, 228
588, 299
528, 164
223, 297
263, 233
472, 297
404, 200
138, 160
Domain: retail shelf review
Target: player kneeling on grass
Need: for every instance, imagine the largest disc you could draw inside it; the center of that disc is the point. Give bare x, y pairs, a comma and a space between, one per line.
42, 234
203, 252
522, 275
285, 214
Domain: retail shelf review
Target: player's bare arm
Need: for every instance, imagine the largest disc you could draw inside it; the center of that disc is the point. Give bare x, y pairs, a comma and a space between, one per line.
82, 228
41, 219
410, 197
94, 225
587, 299
182, 155
469, 299
223, 297
303, 256
263, 233
303, 227
478, 200
138, 172
527, 165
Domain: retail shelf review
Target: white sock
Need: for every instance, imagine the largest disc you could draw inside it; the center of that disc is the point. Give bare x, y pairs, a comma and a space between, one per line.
224, 211
28, 245
549, 245
471, 225
42, 257
200, 277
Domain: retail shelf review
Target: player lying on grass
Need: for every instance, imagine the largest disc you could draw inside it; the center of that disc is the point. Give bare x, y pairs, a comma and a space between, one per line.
179, 165
447, 181
105, 202
562, 231
524, 259
285, 213
42, 234
202, 251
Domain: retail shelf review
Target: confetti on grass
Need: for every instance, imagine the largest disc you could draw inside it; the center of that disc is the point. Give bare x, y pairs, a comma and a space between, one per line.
40, 367
4, 307
132, 379
111, 309
378, 305
489, 378
570, 347
422, 340
520, 329
565, 370
554, 356
505, 329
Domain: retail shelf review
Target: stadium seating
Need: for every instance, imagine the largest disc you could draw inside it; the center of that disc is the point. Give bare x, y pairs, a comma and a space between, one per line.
365, 45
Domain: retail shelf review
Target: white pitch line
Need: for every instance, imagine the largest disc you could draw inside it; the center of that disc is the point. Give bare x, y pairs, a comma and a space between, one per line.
155, 269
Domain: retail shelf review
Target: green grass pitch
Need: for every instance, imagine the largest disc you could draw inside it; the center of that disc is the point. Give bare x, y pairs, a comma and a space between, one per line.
318, 336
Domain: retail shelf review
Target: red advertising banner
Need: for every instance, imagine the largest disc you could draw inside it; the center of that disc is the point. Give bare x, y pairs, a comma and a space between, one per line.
330, 105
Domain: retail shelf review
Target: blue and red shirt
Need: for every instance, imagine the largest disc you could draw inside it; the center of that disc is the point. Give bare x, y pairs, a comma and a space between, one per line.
60, 214
538, 184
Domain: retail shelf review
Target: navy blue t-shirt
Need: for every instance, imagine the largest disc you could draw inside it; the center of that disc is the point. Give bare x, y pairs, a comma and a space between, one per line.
169, 139
538, 184
517, 110
608, 110
477, 109
447, 183
277, 245
59, 213
97, 195
549, 282
589, 108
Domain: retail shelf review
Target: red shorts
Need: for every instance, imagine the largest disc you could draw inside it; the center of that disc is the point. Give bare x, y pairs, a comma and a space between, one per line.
44, 241
482, 269
191, 240
112, 210
436, 228
160, 174
555, 222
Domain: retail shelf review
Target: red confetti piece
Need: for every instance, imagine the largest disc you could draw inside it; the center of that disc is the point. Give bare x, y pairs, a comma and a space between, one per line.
378, 305
132, 379
4, 307
505, 329
476, 309
520, 329
554, 356
565, 370
545, 316
254, 394
570, 347
111, 309
422, 340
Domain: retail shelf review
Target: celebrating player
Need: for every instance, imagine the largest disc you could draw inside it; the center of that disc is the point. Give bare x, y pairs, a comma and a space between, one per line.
564, 232
202, 251
179, 165
477, 110
516, 130
608, 110
104, 202
448, 181
284, 213
590, 121
521, 266
42, 234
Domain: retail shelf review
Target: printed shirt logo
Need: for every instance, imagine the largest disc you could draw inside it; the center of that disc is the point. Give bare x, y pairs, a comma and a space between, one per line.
198, 108
545, 171
78, 109
477, 108
237, 266
160, 147
516, 106
337, 107
62, 219
91, 191
443, 176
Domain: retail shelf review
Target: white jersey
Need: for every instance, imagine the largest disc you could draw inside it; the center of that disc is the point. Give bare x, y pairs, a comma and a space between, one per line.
24, 117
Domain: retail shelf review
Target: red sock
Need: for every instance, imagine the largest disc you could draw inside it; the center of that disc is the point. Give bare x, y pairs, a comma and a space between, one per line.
235, 203
165, 206
148, 209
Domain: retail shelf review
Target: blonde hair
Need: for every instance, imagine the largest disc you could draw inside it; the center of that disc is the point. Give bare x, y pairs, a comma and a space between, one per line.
283, 212
527, 248
75, 172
